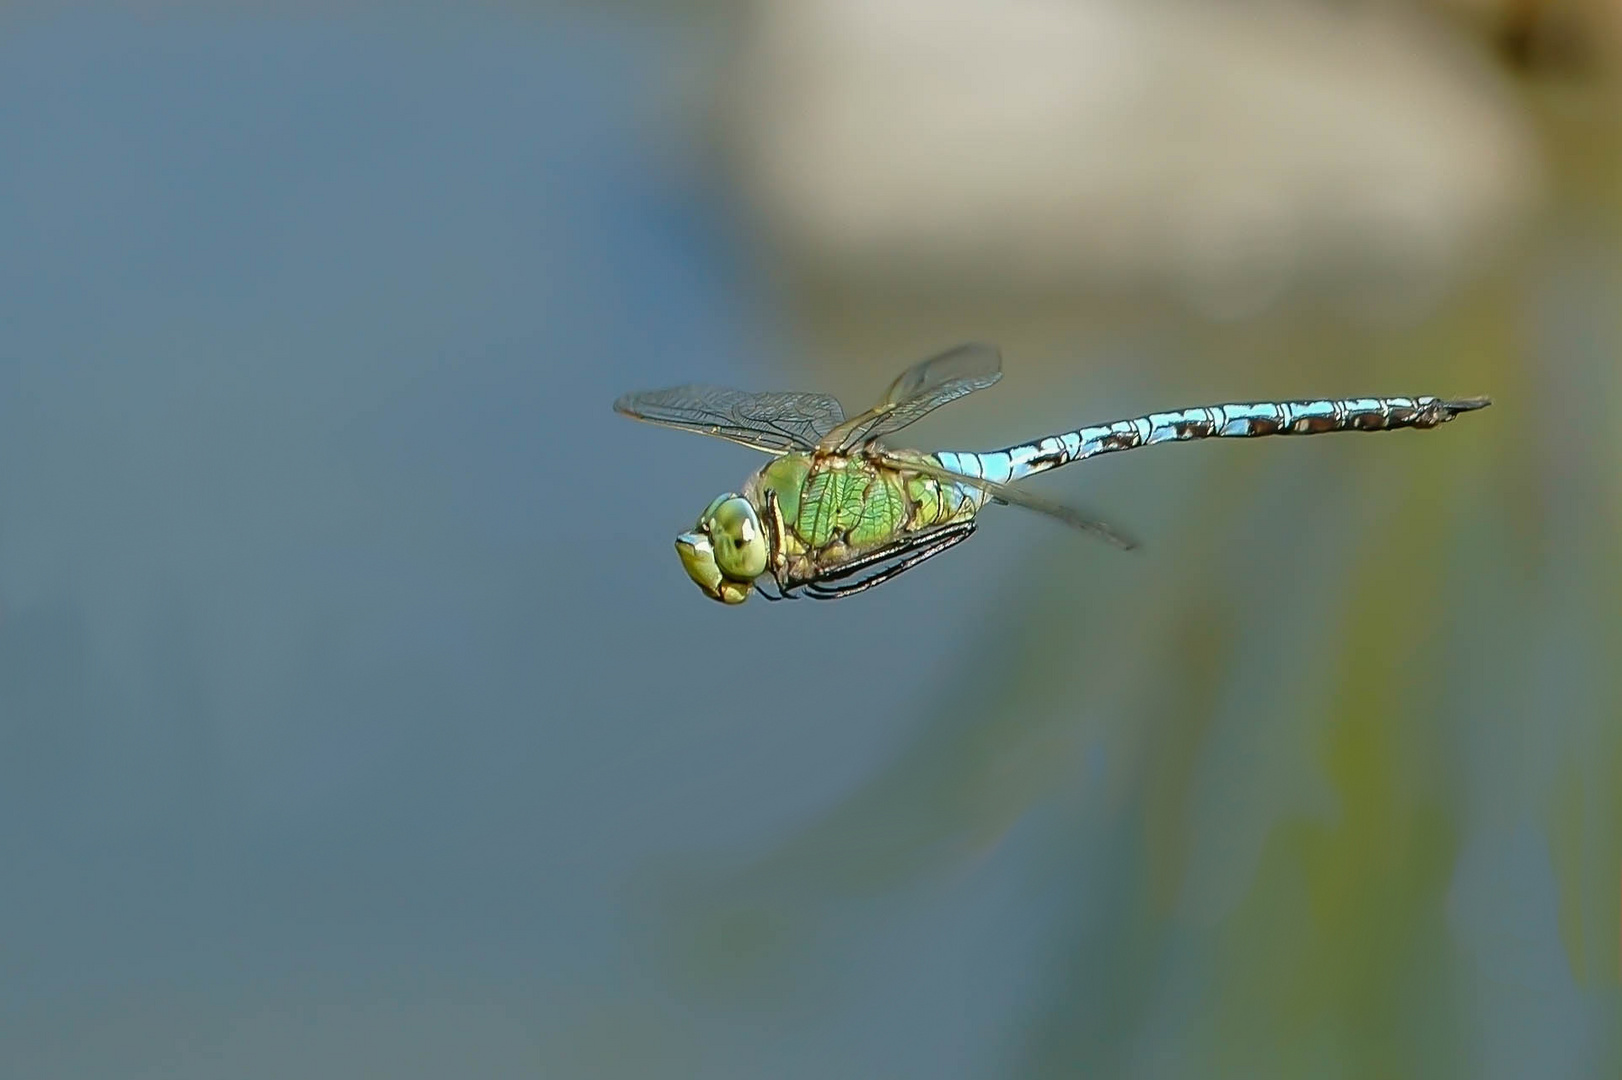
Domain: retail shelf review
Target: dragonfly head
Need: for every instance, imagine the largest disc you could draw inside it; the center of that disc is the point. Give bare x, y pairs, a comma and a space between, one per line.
726, 551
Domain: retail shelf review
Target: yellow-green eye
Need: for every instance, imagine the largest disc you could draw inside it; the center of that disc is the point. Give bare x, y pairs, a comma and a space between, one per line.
735, 534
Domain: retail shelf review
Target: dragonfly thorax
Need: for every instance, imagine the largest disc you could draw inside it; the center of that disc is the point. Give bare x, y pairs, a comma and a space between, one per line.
727, 549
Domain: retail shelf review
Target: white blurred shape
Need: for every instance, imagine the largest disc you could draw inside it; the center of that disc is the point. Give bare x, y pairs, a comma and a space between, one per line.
1228, 154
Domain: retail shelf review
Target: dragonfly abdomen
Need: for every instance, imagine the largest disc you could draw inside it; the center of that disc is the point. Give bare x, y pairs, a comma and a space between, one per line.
1247, 420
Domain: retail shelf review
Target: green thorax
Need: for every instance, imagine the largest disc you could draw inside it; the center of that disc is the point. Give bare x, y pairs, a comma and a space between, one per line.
853, 502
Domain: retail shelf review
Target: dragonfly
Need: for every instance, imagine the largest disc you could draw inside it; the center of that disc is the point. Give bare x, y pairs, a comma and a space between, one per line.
838, 511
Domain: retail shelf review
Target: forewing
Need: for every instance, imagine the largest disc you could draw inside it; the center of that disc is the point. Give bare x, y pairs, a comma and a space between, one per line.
773, 422
1014, 496
920, 390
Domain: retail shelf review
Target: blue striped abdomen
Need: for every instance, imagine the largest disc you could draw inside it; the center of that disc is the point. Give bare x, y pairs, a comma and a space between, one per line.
1240, 420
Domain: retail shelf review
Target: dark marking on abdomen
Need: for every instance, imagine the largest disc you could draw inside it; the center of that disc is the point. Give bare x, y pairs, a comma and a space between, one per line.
1052, 459
1193, 429
1315, 425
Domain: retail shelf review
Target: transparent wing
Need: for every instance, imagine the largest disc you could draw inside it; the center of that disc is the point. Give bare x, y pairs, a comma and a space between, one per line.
918, 391
1014, 496
774, 422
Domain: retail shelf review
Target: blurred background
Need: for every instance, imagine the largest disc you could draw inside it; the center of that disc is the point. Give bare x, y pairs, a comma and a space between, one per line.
356, 718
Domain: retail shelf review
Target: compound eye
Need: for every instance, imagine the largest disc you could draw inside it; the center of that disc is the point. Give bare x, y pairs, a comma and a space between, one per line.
739, 542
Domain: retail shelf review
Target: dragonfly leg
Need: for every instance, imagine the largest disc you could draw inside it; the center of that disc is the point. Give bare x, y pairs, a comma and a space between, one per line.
782, 593
892, 550
922, 550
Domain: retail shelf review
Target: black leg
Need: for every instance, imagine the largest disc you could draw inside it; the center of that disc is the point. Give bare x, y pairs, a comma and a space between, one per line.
892, 550
920, 552
782, 593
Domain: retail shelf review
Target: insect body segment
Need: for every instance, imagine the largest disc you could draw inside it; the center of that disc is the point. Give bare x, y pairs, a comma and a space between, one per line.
1241, 420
